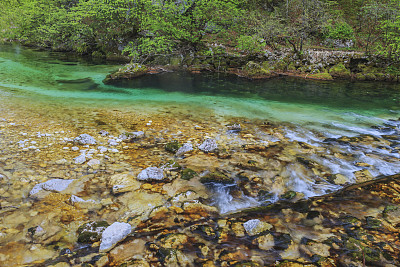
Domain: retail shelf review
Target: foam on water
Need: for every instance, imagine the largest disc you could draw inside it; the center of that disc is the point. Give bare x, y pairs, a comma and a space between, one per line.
226, 203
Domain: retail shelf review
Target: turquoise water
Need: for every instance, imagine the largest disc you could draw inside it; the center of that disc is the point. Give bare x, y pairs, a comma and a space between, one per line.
335, 108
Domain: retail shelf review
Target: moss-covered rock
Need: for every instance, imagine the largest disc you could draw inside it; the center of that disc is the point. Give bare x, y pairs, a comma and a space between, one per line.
359, 77
173, 146
289, 195
340, 71
255, 70
216, 177
321, 76
129, 71
91, 232
187, 174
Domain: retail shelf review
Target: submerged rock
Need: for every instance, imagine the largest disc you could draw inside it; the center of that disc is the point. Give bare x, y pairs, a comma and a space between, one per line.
209, 145
113, 234
234, 128
173, 146
216, 177
151, 173
85, 139
131, 136
255, 227
187, 174
123, 182
80, 159
184, 149
54, 185
91, 232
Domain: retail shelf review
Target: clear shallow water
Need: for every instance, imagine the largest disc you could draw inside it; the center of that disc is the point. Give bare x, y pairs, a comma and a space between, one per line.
339, 108
314, 110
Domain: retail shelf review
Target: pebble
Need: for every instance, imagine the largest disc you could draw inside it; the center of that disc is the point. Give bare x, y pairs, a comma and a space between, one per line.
80, 159
93, 162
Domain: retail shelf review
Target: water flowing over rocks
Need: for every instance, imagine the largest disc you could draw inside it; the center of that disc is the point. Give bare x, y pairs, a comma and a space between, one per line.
267, 194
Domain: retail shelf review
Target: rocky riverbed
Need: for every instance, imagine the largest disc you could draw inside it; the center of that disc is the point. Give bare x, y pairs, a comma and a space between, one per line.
100, 187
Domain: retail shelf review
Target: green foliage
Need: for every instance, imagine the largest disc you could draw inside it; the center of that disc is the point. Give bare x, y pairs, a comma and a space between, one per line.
250, 44
340, 30
143, 28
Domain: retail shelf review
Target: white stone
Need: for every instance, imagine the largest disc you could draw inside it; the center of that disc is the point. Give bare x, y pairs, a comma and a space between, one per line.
151, 173
74, 148
93, 162
54, 185
80, 159
184, 149
113, 234
112, 142
255, 226
208, 145
85, 139
102, 149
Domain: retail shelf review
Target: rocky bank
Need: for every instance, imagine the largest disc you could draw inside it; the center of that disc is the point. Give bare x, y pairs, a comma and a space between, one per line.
311, 64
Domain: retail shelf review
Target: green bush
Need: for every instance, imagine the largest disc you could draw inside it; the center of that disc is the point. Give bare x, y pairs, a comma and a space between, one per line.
250, 44
339, 31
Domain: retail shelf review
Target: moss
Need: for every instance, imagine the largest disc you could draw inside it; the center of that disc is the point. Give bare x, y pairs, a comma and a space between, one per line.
129, 71
340, 71
253, 69
187, 174
370, 76
388, 209
321, 76
281, 65
373, 223
91, 232
289, 195
291, 67
173, 146
359, 77
216, 177
174, 165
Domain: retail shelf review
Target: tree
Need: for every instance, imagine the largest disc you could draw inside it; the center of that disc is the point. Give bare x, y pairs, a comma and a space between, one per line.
180, 26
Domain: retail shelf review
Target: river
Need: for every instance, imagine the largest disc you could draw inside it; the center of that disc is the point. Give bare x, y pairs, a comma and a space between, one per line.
297, 139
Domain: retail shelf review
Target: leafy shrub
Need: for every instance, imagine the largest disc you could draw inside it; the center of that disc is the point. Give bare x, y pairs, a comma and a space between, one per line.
250, 44
339, 31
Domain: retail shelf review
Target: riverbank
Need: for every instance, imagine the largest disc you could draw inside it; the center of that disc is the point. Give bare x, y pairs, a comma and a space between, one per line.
312, 64
64, 166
